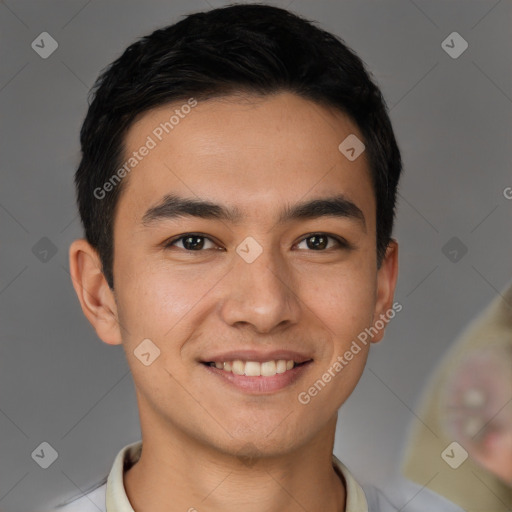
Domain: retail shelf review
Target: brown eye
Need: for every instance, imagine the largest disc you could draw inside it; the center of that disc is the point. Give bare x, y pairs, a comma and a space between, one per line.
190, 242
320, 241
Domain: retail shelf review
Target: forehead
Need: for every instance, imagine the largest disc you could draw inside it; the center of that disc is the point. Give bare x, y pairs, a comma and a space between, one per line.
249, 152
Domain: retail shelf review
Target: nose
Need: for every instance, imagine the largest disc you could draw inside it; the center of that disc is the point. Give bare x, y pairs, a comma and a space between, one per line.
262, 294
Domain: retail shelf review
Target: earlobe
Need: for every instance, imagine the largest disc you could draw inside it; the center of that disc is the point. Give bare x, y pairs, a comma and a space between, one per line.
96, 298
386, 282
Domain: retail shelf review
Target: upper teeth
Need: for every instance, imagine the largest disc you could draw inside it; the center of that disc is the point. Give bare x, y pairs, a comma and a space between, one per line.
254, 368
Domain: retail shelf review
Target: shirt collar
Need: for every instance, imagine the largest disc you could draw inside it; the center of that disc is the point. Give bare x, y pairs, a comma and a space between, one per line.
117, 501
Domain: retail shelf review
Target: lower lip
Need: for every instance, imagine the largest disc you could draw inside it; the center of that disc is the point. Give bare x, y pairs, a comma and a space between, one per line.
260, 385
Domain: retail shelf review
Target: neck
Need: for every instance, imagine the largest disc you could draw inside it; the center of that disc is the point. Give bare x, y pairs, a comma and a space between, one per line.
176, 472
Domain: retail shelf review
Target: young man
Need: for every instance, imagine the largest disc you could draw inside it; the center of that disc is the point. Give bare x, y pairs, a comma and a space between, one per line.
237, 189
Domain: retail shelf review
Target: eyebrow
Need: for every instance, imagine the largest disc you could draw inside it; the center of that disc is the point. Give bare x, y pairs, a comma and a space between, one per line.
173, 206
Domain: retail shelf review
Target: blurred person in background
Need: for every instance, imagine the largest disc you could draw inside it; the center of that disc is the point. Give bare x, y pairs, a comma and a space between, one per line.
468, 407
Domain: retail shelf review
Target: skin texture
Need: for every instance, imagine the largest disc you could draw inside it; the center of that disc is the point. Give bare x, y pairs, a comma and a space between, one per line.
258, 154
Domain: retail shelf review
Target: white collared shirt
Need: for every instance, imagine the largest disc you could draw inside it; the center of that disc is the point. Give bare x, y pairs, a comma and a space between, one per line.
110, 496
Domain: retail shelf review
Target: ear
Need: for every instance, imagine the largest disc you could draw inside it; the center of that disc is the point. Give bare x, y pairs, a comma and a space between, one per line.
386, 282
95, 296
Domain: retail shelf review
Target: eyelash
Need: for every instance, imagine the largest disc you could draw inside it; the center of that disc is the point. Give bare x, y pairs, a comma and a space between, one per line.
342, 244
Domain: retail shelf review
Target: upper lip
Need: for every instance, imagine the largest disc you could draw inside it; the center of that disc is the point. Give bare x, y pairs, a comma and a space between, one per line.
257, 355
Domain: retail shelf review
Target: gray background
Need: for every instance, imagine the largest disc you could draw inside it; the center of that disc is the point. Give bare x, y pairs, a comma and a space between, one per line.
60, 384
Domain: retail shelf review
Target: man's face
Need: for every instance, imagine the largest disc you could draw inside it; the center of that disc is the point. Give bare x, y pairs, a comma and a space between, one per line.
206, 299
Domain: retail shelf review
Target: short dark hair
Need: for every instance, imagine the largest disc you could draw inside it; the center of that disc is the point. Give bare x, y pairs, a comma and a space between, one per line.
250, 48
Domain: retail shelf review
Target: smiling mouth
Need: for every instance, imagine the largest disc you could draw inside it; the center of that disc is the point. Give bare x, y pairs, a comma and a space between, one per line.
254, 368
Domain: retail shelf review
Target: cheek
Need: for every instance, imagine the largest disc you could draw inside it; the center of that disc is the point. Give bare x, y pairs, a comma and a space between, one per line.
330, 387
344, 303
344, 299
151, 303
